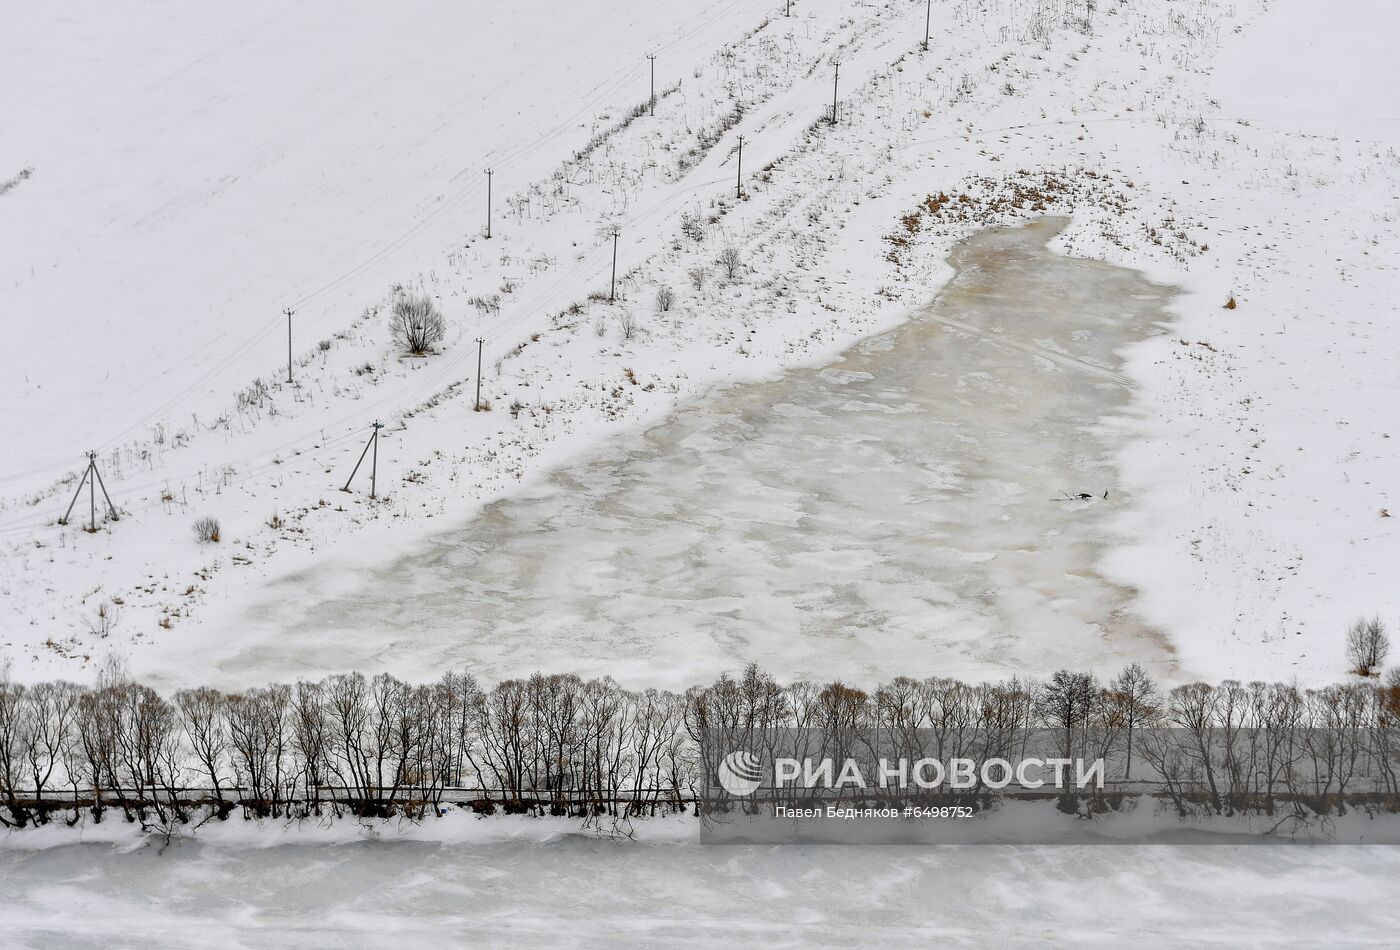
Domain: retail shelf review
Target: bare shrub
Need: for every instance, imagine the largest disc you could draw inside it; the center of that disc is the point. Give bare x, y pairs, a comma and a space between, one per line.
1367, 646
253, 397
489, 305
206, 530
665, 297
103, 619
698, 276
416, 324
627, 323
692, 226
731, 260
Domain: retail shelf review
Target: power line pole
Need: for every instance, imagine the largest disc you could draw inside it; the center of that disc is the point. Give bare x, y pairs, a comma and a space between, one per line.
289, 311
928, 20
374, 460
93, 479
612, 290
739, 180
652, 57
835, 83
373, 443
789, 8
489, 173
479, 344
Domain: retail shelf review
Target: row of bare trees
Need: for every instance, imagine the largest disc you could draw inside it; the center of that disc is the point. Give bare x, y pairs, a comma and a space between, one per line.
563, 745
373, 746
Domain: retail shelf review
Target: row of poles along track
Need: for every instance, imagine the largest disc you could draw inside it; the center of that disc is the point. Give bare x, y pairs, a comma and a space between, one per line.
92, 476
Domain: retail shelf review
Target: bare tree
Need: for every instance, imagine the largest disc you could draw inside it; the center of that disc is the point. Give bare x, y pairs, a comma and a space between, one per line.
258, 739
202, 720
665, 297
1367, 646
310, 741
1065, 702
49, 722
1134, 698
731, 260
627, 323
12, 714
415, 324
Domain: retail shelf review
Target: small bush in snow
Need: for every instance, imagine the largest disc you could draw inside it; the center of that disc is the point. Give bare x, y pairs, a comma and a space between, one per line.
103, 619
692, 226
731, 260
697, 276
207, 530
665, 297
416, 324
1367, 646
488, 305
627, 323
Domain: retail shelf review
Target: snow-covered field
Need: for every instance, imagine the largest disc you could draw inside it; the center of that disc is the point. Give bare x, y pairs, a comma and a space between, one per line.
173, 175
254, 162
257, 158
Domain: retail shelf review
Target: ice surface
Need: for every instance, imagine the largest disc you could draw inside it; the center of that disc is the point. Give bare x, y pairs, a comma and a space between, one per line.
912, 509
579, 892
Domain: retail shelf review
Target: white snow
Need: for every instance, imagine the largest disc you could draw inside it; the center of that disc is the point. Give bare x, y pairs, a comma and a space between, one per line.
194, 169
194, 173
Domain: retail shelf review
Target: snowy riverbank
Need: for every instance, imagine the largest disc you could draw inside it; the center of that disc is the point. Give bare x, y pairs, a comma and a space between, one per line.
1256, 479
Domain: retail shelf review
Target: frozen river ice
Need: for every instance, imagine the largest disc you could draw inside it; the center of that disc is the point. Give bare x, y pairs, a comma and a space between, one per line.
607, 894
912, 508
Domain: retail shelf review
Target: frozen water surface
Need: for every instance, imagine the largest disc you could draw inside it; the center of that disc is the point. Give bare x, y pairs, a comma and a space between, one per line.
912, 508
900, 511
608, 894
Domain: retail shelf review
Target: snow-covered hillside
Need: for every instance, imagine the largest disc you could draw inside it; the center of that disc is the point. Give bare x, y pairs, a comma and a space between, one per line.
195, 172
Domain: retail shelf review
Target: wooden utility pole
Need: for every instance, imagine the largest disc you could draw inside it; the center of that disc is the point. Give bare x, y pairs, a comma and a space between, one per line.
835, 83
739, 179
373, 443
652, 58
789, 8
289, 311
928, 21
93, 479
479, 344
374, 460
489, 173
612, 290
